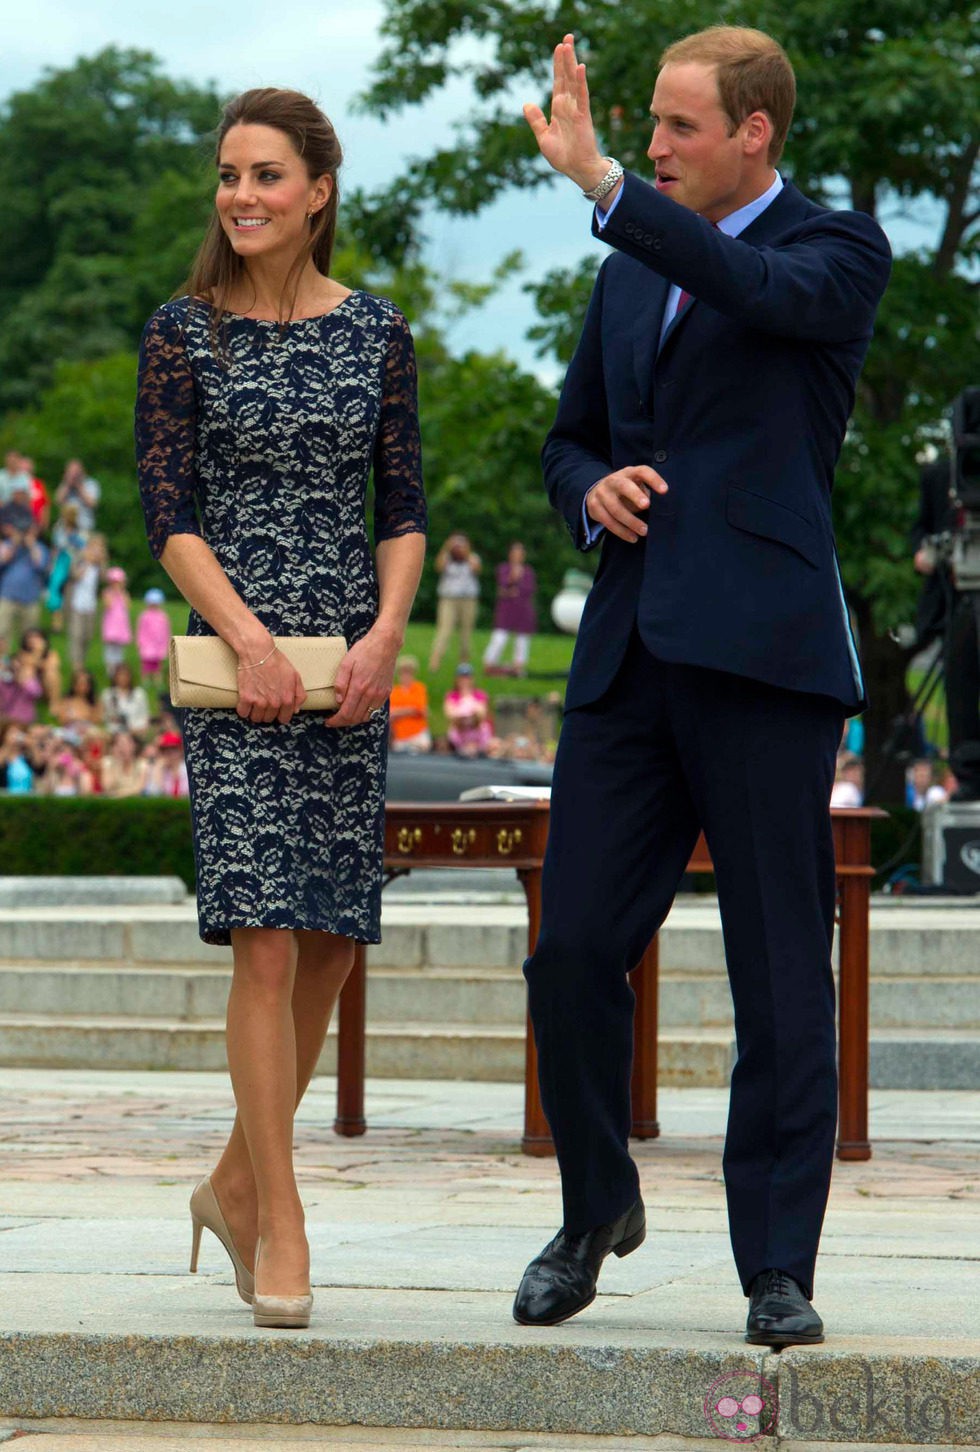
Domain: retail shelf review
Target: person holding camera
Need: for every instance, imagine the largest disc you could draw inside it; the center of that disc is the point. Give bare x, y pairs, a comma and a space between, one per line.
23, 569
458, 567
77, 488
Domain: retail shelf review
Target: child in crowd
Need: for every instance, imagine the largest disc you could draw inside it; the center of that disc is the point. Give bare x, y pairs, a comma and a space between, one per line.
82, 598
409, 709
67, 774
921, 788
21, 687
67, 543
117, 628
153, 636
467, 711
166, 772
39, 647
80, 707
123, 773
16, 773
125, 706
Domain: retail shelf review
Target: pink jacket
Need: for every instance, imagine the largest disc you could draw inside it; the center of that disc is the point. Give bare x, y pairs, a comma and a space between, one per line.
153, 633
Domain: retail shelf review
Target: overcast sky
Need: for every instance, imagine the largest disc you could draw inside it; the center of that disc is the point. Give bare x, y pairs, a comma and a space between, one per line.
327, 49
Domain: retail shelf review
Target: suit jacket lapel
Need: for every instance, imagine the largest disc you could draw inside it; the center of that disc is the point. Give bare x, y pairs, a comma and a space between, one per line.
646, 332
786, 207
676, 322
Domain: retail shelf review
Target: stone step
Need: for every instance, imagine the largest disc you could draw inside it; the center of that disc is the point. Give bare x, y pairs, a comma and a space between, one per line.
911, 1058
470, 996
693, 1058
100, 892
906, 942
383, 1358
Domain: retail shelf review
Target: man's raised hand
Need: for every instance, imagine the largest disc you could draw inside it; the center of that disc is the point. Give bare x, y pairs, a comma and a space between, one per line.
567, 142
618, 500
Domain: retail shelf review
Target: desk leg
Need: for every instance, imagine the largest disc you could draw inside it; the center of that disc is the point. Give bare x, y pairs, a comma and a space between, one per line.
855, 894
644, 980
537, 1137
351, 1028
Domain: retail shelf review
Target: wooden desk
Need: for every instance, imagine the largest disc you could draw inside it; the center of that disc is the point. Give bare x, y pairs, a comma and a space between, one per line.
513, 835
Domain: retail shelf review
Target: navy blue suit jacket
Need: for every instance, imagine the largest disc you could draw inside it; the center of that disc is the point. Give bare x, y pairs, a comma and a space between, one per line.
742, 409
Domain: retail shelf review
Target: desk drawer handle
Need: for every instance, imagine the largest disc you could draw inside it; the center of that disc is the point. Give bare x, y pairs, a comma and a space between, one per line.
408, 839
507, 840
462, 840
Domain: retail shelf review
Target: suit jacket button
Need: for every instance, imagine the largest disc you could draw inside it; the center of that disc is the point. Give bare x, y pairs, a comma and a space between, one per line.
656, 244
660, 457
630, 228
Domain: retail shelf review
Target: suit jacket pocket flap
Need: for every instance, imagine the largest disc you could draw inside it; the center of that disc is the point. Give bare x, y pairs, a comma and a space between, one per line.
758, 515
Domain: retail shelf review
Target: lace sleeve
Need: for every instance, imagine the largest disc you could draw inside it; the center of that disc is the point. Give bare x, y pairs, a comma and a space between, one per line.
399, 499
165, 433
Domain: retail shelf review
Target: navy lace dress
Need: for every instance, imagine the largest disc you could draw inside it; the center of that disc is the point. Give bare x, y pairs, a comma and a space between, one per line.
264, 445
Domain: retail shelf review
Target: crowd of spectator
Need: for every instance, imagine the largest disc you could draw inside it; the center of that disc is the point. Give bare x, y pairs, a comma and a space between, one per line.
69, 738
470, 727
60, 735
929, 781
468, 712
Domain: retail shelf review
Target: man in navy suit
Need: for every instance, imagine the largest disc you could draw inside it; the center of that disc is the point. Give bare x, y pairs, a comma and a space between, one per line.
697, 434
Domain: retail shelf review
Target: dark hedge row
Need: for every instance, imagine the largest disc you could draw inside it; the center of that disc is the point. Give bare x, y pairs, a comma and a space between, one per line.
151, 836
81, 837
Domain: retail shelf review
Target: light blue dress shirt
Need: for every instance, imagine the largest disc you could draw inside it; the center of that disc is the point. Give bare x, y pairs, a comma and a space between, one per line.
731, 225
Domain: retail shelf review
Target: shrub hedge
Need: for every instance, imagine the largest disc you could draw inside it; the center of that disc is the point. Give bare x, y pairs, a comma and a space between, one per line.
92, 836
151, 836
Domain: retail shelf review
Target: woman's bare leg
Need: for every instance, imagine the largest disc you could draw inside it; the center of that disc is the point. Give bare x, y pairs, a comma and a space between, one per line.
322, 964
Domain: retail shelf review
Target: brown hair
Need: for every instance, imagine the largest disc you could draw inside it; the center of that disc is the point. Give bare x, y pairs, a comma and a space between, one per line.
753, 71
217, 266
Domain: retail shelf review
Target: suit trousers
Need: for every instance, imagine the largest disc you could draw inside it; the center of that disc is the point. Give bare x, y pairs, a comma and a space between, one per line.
666, 751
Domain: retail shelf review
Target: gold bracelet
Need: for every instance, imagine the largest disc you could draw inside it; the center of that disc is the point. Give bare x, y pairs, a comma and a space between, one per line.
256, 663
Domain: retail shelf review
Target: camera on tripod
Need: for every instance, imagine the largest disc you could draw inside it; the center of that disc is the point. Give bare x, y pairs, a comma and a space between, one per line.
964, 489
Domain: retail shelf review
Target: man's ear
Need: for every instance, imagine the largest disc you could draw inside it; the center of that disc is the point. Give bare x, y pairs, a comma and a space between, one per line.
756, 133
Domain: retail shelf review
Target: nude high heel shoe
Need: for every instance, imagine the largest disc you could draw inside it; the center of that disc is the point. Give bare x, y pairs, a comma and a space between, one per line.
291, 1311
205, 1211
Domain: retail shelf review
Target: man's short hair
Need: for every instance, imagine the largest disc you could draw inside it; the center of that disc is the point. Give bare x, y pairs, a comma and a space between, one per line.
754, 74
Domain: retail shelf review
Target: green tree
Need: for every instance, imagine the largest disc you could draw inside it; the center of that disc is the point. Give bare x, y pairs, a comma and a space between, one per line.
87, 412
104, 166
888, 121
482, 424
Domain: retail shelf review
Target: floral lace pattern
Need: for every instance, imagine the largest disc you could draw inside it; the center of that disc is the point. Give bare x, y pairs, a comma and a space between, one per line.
265, 448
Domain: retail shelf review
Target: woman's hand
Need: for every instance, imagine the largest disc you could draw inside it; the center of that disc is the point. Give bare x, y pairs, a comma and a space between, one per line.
365, 677
272, 691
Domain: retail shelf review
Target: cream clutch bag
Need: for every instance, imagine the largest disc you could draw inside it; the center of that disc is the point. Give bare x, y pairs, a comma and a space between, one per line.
204, 669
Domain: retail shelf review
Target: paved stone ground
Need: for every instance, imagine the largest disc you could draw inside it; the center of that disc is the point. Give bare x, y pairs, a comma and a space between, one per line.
77, 1436
426, 1223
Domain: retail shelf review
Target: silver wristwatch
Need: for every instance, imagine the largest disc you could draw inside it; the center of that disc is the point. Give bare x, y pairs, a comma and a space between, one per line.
610, 179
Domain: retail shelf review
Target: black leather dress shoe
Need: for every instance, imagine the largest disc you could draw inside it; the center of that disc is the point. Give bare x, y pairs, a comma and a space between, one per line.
779, 1312
562, 1279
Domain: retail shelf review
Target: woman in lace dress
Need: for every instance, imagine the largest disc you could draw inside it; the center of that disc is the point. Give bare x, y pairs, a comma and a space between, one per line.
267, 396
